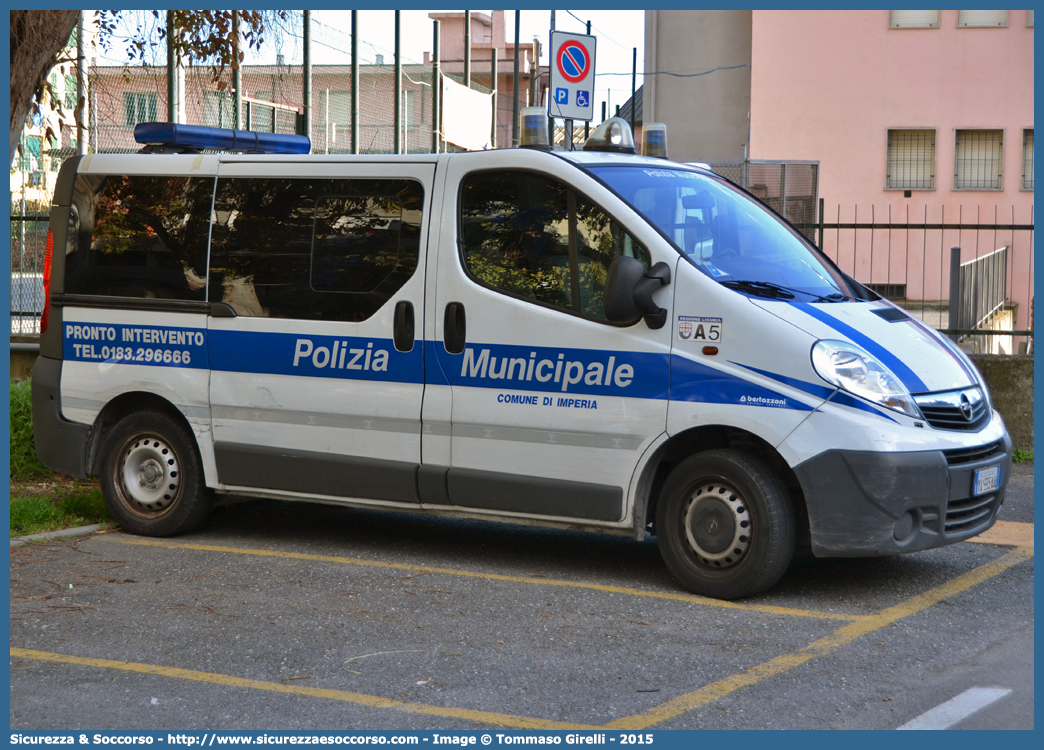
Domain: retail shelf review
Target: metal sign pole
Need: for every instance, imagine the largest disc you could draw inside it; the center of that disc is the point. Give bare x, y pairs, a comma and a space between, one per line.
493, 85
355, 81
397, 117
467, 48
436, 87
550, 65
587, 123
634, 74
514, 100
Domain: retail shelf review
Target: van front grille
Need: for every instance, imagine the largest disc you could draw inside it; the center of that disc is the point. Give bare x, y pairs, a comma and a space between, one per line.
954, 410
968, 513
956, 456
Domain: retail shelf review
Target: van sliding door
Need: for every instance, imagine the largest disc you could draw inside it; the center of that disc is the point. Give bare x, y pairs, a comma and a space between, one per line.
316, 284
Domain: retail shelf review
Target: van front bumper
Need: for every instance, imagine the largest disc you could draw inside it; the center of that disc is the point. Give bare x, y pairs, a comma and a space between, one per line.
61, 445
865, 504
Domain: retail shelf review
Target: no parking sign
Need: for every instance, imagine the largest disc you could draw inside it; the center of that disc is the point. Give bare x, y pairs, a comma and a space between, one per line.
572, 76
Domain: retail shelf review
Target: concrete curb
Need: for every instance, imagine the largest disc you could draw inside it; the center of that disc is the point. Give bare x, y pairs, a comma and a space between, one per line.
78, 531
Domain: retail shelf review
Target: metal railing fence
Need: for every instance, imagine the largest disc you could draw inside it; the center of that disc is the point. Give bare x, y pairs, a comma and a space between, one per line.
979, 288
907, 258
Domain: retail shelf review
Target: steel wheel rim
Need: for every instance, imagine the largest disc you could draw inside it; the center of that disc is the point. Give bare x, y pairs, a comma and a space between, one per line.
148, 475
718, 526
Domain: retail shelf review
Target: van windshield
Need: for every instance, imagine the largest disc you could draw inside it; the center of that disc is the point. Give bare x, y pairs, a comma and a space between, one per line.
729, 237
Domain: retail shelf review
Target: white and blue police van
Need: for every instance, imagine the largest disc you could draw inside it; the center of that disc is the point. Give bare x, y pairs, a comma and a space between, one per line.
588, 339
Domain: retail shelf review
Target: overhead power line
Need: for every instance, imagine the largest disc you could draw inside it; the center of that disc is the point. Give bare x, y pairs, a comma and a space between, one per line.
601, 33
678, 75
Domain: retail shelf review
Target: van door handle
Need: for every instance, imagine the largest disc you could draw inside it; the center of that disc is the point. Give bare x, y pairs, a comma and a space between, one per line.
454, 327
403, 328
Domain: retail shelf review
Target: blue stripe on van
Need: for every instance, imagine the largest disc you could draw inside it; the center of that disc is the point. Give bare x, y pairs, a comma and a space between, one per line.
835, 395
317, 356
591, 372
907, 376
814, 389
433, 372
692, 381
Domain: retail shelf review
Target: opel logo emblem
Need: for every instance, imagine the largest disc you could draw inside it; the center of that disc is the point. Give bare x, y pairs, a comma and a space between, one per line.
966, 407
712, 526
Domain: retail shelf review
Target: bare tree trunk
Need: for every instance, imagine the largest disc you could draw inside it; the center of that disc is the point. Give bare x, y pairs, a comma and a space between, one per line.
37, 39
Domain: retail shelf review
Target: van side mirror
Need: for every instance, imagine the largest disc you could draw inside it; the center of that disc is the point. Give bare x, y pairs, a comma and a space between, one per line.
629, 292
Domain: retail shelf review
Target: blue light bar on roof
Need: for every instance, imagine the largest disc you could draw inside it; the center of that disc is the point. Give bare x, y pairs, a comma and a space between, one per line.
220, 139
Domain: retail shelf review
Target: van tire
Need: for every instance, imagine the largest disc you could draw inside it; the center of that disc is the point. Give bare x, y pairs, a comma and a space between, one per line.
724, 525
152, 476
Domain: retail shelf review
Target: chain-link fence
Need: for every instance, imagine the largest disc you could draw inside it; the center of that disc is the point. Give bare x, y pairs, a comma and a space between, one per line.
790, 188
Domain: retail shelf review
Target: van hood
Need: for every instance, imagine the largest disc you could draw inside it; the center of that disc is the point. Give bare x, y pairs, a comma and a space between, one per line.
917, 355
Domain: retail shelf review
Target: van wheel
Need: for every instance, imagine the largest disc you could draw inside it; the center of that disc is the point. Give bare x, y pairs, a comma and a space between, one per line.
152, 476
724, 525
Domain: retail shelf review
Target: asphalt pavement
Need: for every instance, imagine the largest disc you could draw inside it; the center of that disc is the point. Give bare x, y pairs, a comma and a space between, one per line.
280, 615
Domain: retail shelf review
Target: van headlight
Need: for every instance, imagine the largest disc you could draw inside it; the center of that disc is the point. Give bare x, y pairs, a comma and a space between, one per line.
853, 369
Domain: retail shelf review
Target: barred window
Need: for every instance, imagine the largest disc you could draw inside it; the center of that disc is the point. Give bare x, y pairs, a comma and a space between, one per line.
973, 18
978, 160
138, 107
218, 109
913, 19
911, 160
1029, 19
1027, 159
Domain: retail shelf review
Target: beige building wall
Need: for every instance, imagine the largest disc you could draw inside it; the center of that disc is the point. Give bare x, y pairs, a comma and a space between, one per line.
706, 115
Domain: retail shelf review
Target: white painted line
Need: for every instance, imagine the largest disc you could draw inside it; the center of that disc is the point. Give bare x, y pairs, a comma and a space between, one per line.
955, 710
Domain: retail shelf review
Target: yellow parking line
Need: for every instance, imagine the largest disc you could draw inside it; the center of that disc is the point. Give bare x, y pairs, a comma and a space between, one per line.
672, 708
1007, 533
371, 701
824, 646
766, 608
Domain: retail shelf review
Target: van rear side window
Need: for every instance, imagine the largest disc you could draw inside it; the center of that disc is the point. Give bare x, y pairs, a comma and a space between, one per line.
313, 249
137, 236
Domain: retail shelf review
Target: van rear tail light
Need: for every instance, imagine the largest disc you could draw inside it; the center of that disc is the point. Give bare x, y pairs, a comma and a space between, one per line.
48, 253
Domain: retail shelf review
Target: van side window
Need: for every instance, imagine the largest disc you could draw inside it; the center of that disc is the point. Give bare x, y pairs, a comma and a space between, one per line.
599, 239
533, 237
137, 236
313, 249
515, 234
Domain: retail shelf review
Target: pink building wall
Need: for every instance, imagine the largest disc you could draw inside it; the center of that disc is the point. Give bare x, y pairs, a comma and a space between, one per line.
828, 85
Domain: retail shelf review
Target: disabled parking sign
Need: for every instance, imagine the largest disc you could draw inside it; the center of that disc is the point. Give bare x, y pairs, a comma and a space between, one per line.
572, 75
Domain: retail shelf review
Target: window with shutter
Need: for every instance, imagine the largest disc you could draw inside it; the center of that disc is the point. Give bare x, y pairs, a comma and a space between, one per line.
978, 160
1027, 159
911, 160
913, 19
970, 18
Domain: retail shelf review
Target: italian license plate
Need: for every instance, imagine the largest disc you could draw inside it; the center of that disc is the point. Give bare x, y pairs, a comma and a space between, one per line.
986, 480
